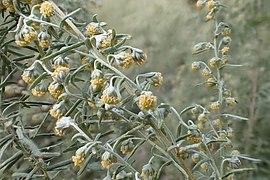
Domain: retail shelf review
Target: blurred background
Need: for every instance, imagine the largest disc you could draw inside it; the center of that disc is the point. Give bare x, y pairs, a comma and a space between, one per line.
167, 29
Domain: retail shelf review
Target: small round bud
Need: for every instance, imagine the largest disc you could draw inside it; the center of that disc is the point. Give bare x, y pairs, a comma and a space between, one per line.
200, 4
98, 80
194, 137
226, 31
206, 72
211, 4
211, 82
148, 172
225, 50
59, 74
224, 59
9, 5
93, 29
226, 93
124, 59
195, 66
195, 110
213, 62
217, 123
90, 63
29, 34
58, 110
204, 166
46, 9
107, 159
60, 62
39, 90
147, 100
195, 157
56, 89
226, 40
202, 118
110, 96
201, 125
78, 160
127, 146
29, 75
215, 105
230, 133
209, 17
139, 56
230, 101
45, 39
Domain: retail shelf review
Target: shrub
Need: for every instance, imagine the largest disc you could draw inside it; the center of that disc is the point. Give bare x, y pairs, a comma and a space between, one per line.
97, 118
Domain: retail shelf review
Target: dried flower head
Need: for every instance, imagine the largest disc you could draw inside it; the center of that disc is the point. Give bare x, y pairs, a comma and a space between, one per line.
107, 159
56, 89
147, 100
46, 9
148, 172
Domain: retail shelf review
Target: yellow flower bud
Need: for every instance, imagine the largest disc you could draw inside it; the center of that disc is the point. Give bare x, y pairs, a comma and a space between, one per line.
147, 100
46, 9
